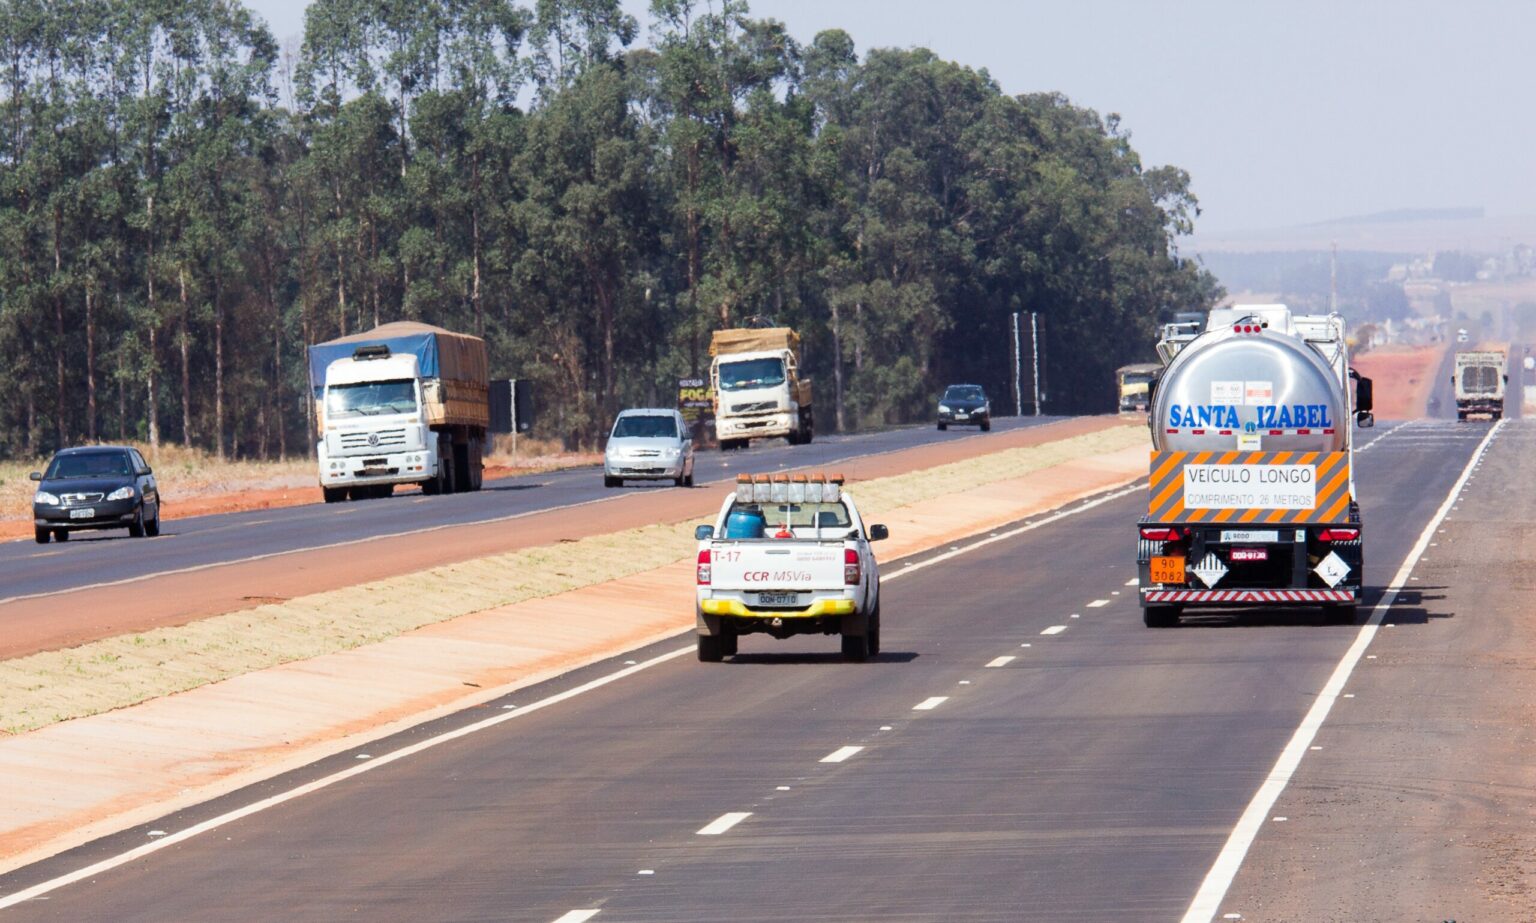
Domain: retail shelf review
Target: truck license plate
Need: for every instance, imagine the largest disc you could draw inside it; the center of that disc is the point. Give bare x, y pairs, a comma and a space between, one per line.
777, 599
83, 513
1250, 554
1168, 569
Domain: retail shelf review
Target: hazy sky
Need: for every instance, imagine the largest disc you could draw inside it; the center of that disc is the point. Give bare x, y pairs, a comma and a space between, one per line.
1285, 112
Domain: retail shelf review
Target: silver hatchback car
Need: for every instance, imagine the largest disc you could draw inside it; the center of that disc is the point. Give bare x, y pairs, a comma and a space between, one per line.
650, 445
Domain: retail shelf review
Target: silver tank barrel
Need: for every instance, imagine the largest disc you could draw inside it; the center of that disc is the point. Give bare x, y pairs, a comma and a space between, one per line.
1270, 387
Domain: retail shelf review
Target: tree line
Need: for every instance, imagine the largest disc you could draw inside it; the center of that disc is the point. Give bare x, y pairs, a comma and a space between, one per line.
184, 206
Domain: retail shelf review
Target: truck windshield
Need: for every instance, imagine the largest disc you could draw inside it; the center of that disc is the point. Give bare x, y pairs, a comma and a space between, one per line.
645, 427
371, 398
751, 373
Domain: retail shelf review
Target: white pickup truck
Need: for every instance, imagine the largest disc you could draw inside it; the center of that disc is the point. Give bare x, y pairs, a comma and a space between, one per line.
788, 557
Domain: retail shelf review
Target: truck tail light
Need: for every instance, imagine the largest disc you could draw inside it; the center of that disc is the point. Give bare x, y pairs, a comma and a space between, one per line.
1338, 535
1162, 533
851, 571
704, 568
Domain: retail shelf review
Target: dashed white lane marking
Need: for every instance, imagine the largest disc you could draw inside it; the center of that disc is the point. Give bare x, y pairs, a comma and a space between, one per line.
723, 823
1133, 581
1098, 604
1054, 630
840, 754
577, 916
356, 769
1002, 661
1025, 644
930, 703
646, 872
1214, 888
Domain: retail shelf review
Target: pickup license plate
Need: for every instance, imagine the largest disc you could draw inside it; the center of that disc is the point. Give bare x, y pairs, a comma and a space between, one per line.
1250, 554
777, 599
1168, 569
1249, 535
83, 513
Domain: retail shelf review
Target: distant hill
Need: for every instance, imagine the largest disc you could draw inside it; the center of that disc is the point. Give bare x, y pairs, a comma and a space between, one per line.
1417, 230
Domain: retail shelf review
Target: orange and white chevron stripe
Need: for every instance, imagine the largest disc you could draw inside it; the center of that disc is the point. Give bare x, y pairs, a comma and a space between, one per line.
1330, 482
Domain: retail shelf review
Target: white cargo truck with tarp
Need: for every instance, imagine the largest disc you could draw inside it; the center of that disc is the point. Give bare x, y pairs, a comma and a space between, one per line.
404, 403
758, 391
1251, 495
1479, 381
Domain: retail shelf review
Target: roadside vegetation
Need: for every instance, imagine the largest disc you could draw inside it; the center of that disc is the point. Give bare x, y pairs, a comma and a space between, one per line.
185, 205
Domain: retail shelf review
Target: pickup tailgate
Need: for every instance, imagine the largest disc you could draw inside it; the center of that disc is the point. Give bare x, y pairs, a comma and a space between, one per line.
779, 565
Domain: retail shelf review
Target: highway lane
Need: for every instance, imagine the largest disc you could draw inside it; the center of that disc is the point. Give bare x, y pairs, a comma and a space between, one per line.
28, 569
1095, 776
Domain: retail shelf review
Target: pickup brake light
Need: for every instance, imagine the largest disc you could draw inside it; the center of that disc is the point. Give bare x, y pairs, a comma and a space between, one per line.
851, 571
704, 568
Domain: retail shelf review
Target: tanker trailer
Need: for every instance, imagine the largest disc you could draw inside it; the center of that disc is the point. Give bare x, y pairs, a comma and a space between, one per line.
1251, 498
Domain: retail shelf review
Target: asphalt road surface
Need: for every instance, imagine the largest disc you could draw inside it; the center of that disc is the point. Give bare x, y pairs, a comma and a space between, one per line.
27, 569
1023, 749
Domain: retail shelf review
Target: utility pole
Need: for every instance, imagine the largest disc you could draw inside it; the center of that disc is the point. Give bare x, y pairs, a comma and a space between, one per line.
1034, 350
1018, 371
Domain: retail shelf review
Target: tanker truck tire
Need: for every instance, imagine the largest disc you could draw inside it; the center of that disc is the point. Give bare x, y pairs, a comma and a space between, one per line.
334, 494
711, 648
1160, 616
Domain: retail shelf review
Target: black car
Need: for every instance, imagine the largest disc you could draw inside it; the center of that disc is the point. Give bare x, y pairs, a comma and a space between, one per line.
96, 487
965, 405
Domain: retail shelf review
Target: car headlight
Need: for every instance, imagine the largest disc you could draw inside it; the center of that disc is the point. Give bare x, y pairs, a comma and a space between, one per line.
944, 408
44, 498
122, 493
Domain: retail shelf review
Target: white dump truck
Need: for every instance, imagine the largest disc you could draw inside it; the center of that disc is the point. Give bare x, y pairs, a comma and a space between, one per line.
788, 556
1479, 381
1251, 496
404, 403
755, 373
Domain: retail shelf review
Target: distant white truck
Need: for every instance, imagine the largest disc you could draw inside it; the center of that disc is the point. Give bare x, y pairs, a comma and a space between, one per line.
755, 373
788, 556
1479, 381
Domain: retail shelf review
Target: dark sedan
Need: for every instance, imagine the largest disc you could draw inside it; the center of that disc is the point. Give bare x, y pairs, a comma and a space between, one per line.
965, 405
96, 487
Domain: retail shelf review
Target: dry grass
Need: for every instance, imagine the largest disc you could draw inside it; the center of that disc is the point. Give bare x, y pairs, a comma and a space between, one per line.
45, 688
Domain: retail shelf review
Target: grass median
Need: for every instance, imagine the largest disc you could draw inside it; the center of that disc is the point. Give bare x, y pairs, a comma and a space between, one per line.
42, 689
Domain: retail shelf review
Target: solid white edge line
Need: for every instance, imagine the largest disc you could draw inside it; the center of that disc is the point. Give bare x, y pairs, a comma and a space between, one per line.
1382, 436
358, 769
840, 754
1213, 890
438, 528
256, 807
577, 916
930, 703
723, 823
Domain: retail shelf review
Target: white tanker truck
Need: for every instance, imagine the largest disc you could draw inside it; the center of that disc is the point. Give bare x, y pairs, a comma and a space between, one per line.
1251, 496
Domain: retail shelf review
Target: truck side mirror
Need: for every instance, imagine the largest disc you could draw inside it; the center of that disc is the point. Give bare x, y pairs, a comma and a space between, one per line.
704, 533
878, 533
36, 475
1363, 396
1365, 419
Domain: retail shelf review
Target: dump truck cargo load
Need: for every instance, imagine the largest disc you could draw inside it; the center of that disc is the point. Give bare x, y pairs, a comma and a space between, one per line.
755, 373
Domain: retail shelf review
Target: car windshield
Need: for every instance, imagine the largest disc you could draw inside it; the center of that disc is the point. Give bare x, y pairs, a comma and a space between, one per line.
89, 465
751, 373
645, 427
369, 398
964, 393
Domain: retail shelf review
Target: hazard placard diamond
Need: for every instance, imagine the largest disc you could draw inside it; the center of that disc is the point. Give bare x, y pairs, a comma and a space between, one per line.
1210, 570
1332, 569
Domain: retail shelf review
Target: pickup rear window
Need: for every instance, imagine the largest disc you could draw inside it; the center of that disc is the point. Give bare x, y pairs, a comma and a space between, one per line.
808, 516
